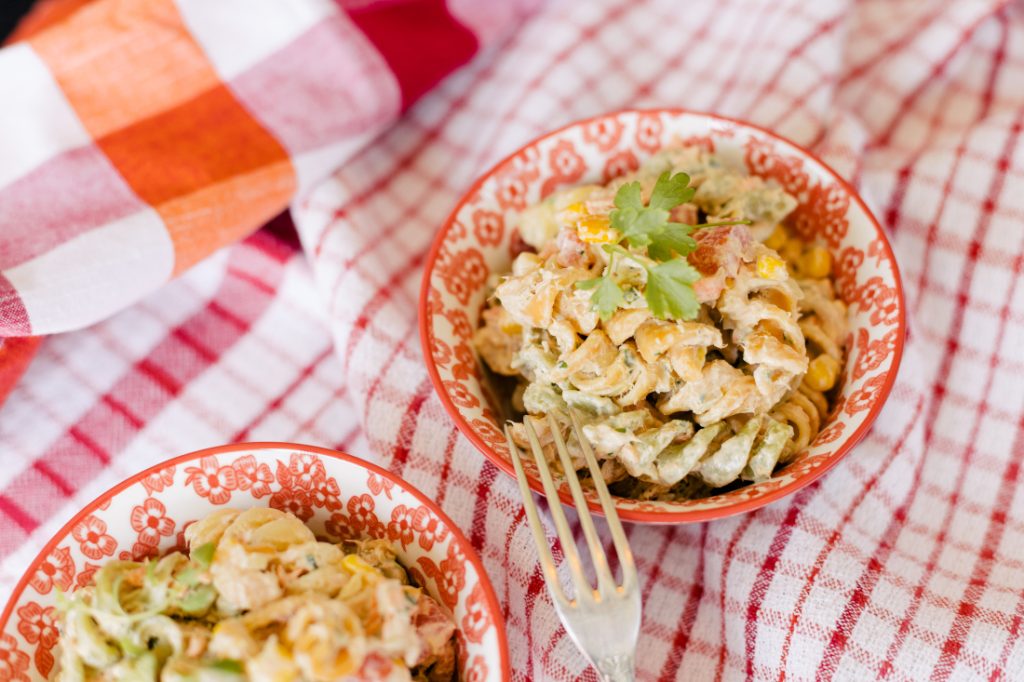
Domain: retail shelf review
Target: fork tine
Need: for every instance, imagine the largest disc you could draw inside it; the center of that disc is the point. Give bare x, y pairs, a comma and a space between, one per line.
629, 578
605, 581
582, 587
547, 562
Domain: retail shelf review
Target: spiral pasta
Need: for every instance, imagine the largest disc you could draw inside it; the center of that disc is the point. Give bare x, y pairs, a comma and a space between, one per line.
823, 322
259, 598
672, 408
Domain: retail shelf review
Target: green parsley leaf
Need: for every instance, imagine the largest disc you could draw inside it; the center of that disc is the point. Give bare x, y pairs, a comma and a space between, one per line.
589, 283
622, 218
675, 239
669, 293
645, 228
649, 225
607, 297
629, 197
671, 191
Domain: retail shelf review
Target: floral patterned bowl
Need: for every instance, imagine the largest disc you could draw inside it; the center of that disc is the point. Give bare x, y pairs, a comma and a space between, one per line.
478, 239
338, 495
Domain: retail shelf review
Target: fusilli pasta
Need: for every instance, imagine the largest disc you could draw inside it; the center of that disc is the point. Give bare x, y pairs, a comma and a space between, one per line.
674, 408
261, 599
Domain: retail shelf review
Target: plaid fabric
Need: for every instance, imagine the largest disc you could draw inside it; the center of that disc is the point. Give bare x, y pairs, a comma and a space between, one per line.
905, 562
142, 135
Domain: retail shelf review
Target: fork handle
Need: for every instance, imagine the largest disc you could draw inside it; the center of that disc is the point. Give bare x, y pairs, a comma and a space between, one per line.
616, 669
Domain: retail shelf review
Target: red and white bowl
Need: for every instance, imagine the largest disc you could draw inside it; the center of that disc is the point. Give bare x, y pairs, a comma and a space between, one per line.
478, 239
336, 494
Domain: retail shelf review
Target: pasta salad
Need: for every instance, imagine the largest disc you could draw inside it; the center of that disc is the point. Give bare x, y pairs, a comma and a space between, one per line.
698, 339
257, 598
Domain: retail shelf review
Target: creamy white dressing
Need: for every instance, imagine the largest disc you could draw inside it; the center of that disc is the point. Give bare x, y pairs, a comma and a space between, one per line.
680, 406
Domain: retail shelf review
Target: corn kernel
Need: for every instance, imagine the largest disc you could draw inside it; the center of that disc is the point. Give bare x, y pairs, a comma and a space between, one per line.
777, 238
596, 229
791, 250
822, 373
770, 267
354, 563
817, 263
576, 207
511, 327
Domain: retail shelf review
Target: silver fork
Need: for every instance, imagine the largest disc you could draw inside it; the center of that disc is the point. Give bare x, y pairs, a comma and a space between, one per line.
604, 622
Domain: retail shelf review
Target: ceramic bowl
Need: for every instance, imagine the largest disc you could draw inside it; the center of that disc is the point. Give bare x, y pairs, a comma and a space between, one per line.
479, 238
336, 494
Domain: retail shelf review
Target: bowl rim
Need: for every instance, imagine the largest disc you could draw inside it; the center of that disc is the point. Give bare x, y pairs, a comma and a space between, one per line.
470, 552
658, 517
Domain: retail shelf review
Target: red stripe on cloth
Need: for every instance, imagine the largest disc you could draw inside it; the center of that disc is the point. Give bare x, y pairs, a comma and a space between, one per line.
855, 607
533, 586
419, 39
830, 543
996, 523
947, 187
984, 561
558, 555
1018, 619
121, 407
728, 84
768, 569
346, 441
410, 420
668, 539
161, 378
478, 526
936, 72
973, 249
741, 528
13, 316
446, 467
430, 135
14, 513
889, 537
860, 69
821, 30
651, 580
893, 212
278, 400
30, 483
86, 440
52, 476
588, 82
891, 48
82, 452
376, 302
67, 196
681, 637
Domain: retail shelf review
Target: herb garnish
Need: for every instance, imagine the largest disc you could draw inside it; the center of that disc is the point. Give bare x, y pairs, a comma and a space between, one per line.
669, 291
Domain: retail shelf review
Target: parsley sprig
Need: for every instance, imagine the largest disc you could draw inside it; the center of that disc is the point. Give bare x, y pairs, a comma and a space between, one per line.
669, 291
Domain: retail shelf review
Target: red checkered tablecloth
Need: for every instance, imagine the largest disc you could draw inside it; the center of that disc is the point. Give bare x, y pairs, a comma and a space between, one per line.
906, 562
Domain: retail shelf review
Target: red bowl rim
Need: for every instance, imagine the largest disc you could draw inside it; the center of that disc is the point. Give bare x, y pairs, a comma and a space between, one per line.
459, 536
667, 517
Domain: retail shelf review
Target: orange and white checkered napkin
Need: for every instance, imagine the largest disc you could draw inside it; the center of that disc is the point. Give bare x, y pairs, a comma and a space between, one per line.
142, 135
906, 562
